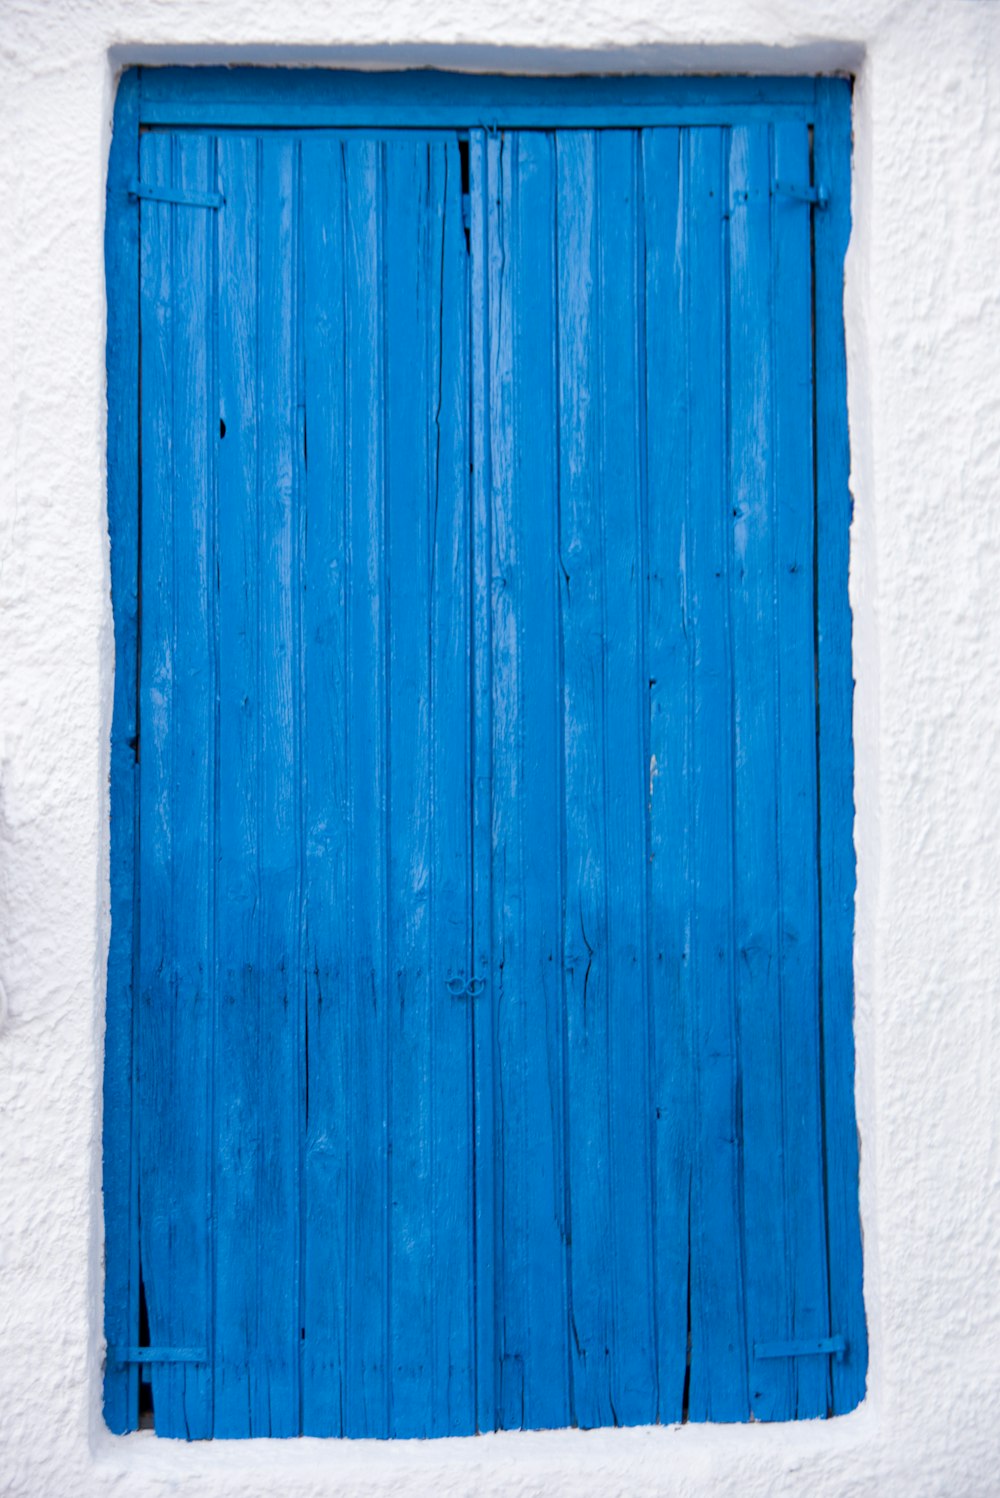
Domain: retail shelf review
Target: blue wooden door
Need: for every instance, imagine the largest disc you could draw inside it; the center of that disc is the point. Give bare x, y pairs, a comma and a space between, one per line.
305, 1070
478, 1001
660, 1226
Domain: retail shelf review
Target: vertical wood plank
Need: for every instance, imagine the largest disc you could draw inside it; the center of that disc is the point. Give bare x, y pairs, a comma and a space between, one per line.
717, 1379
506, 1146
758, 872
177, 780
626, 777
411, 308
155, 1078
798, 853
279, 1087
836, 779
366, 1409
326, 739
454, 929
194, 731
532, 1226
239, 1059
429, 755
482, 296
585, 931
666, 774
121, 254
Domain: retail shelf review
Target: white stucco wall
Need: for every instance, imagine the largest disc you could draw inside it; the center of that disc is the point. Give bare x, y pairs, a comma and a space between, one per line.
923, 309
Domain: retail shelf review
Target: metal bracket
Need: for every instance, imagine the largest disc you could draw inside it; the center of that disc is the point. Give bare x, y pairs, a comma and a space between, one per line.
825, 1346
155, 194
817, 195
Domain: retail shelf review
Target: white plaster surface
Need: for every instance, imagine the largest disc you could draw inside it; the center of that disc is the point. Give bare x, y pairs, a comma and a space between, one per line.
923, 306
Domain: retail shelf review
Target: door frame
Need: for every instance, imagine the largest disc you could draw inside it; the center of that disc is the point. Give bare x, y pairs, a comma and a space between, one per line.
226, 98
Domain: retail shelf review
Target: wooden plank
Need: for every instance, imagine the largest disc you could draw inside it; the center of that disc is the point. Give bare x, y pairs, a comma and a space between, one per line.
193, 790
666, 671
378, 120
430, 1269
532, 1226
279, 1100
426, 98
177, 779
366, 1406
798, 853
411, 309
121, 255
511, 1339
585, 931
326, 738
717, 1379
482, 293
450, 1080
758, 887
238, 1121
156, 1083
625, 772
836, 781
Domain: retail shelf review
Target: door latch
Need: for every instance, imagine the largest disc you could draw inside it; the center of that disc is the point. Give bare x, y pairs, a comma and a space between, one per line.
462, 988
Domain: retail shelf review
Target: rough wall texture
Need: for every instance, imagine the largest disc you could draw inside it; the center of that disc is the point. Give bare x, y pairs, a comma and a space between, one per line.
923, 301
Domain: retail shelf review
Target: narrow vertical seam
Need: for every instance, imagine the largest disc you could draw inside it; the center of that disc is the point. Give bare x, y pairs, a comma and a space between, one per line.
734, 1006
258, 715
299, 541
596, 249
173, 1379
135, 975
773, 438
386, 689
561, 739
214, 688
432, 491
685, 188
348, 969
640, 356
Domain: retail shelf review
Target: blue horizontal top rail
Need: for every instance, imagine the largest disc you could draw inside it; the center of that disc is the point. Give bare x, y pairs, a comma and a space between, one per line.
428, 98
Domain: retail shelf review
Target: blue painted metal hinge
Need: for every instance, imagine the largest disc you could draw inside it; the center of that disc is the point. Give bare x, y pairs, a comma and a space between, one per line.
157, 1355
826, 1346
156, 194
817, 195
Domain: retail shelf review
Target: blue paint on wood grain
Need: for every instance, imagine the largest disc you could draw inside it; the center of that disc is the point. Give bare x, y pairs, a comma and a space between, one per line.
121, 253
832, 165
490, 1055
664, 705
236, 1123
176, 791
483, 300
718, 1388
805, 1270
429, 98
326, 852
531, 1380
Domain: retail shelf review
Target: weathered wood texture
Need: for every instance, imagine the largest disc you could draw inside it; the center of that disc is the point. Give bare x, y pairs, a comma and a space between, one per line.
121, 254
484, 1040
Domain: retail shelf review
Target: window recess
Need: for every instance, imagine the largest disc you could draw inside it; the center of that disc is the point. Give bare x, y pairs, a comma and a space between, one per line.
479, 1021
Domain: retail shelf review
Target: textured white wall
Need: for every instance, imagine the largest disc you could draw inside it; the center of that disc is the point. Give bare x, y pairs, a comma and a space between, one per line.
923, 304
